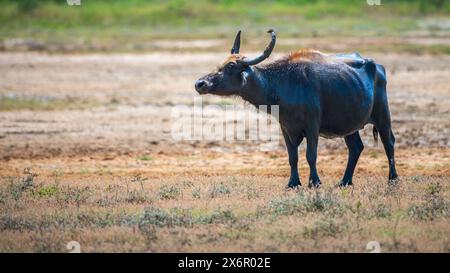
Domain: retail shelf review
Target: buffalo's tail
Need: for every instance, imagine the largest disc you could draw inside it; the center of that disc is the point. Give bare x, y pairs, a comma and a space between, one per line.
375, 135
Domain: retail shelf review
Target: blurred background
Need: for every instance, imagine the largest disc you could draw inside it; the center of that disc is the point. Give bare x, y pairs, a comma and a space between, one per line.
135, 59
133, 25
86, 151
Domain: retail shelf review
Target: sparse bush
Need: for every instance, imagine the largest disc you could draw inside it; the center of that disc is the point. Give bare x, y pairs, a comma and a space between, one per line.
327, 227
149, 233
18, 187
187, 184
196, 193
137, 197
304, 203
383, 211
243, 223
169, 192
183, 217
417, 178
217, 217
140, 180
52, 242
434, 189
287, 206
8, 222
112, 196
133, 195
73, 196
105, 202
432, 208
252, 193
217, 190
88, 219
2, 196
161, 218
326, 202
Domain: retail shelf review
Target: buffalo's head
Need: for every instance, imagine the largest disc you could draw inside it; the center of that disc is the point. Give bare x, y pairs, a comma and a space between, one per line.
232, 75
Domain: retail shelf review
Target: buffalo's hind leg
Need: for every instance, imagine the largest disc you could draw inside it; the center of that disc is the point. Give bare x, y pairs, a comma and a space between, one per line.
381, 118
388, 139
355, 147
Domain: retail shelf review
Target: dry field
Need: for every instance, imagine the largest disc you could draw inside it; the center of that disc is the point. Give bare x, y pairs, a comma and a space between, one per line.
86, 154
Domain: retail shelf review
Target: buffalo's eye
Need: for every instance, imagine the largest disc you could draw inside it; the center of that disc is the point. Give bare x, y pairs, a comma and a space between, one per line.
230, 66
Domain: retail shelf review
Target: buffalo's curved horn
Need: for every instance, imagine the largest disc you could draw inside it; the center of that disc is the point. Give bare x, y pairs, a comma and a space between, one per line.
237, 43
266, 52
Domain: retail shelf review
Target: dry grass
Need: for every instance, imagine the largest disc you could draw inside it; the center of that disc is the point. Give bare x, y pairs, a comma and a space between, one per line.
124, 210
112, 178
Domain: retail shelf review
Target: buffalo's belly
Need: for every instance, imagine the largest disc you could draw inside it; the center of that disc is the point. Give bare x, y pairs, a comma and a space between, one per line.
345, 112
342, 122
338, 132
346, 102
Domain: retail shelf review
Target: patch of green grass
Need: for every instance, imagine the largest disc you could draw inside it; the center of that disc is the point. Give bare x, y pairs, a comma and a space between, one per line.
44, 104
84, 171
374, 154
414, 48
46, 191
133, 22
223, 103
145, 158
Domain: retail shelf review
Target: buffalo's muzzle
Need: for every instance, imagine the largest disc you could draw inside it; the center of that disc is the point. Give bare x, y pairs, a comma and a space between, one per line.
202, 86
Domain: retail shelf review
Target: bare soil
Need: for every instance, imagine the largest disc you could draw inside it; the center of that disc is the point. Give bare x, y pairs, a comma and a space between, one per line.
127, 134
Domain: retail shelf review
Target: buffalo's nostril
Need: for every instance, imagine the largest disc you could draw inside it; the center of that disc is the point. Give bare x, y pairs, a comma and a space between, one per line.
199, 84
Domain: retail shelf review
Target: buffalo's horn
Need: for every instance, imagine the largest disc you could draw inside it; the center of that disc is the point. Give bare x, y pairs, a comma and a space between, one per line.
266, 52
237, 43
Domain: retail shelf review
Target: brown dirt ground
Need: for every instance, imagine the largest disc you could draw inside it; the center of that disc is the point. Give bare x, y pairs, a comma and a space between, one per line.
128, 131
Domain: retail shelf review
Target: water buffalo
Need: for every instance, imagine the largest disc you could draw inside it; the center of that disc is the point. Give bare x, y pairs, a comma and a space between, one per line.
331, 95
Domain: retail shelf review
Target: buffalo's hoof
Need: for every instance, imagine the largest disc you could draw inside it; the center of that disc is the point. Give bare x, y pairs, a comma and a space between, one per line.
314, 184
344, 184
394, 181
293, 183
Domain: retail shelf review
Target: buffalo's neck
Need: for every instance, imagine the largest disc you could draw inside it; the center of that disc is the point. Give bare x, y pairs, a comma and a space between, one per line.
258, 90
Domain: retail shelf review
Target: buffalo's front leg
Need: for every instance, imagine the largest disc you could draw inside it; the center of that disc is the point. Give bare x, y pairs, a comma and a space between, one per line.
311, 156
292, 147
355, 147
